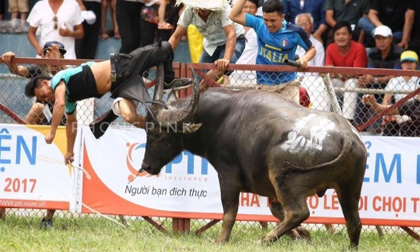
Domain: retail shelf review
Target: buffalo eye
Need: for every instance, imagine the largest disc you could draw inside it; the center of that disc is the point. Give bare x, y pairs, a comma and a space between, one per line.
155, 135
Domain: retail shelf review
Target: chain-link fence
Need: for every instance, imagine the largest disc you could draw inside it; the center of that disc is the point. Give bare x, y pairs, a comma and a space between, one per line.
324, 88
349, 85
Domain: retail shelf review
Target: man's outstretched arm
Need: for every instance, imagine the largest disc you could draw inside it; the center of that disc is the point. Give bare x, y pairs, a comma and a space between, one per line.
13, 67
223, 63
71, 132
176, 36
309, 55
376, 107
58, 112
236, 14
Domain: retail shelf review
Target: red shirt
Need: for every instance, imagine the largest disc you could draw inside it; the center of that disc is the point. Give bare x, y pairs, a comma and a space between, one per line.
356, 57
304, 100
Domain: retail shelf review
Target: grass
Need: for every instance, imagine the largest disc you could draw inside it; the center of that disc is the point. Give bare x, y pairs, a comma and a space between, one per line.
97, 234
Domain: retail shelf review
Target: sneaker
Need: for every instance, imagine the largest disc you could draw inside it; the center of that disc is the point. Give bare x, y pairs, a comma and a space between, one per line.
46, 224
177, 84
24, 27
99, 126
17, 30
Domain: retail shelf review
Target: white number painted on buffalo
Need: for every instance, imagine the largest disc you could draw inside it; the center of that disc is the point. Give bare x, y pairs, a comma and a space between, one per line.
297, 142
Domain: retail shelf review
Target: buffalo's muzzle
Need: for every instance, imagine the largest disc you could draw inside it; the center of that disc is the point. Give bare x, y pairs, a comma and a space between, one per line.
144, 167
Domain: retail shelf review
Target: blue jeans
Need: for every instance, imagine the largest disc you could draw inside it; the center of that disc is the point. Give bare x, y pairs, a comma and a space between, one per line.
366, 25
219, 53
369, 28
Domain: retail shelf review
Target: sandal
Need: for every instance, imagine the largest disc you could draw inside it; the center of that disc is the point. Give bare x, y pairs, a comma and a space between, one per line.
104, 36
165, 26
117, 35
110, 33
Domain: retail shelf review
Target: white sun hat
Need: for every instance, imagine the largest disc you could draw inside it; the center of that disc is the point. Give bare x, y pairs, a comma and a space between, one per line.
214, 5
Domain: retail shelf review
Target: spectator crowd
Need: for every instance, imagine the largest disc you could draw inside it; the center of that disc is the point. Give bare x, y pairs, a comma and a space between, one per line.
142, 22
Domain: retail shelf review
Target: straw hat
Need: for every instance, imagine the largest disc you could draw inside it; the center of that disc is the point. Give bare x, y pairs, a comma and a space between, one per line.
214, 5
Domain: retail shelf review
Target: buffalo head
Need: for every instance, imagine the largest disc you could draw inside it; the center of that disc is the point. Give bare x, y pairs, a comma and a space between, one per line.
166, 124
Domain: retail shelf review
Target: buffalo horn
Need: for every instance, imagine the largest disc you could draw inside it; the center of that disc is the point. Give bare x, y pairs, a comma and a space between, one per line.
177, 116
158, 95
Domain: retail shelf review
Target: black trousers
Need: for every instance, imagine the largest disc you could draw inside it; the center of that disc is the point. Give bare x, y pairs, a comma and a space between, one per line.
86, 46
135, 63
128, 20
148, 31
414, 44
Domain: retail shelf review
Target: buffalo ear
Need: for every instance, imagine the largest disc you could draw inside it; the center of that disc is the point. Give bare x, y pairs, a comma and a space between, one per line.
188, 128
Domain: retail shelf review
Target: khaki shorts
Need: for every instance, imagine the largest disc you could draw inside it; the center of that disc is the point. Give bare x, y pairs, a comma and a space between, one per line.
289, 90
18, 6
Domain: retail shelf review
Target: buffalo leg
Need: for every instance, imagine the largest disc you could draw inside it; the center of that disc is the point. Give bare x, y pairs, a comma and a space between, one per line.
278, 212
380, 231
294, 206
230, 202
2, 213
264, 225
348, 197
329, 228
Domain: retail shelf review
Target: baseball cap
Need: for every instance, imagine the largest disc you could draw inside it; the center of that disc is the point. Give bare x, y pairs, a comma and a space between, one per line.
409, 56
383, 31
56, 43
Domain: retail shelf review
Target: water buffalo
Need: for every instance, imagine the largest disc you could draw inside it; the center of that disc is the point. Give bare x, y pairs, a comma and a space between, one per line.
261, 143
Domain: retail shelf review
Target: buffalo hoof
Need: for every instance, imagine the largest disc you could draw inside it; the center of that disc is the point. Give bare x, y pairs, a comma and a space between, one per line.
268, 240
220, 243
264, 225
330, 228
222, 240
299, 233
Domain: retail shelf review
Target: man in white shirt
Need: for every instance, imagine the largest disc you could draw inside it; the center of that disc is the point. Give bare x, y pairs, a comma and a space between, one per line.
249, 55
59, 20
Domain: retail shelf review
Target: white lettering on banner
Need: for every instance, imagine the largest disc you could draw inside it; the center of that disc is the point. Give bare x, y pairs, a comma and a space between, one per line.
22, 204
392, 163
